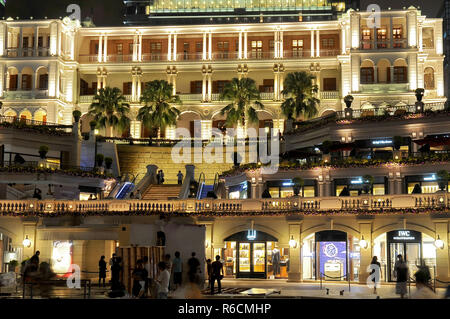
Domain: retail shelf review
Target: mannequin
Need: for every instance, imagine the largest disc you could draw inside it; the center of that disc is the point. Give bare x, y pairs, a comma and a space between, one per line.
276, 261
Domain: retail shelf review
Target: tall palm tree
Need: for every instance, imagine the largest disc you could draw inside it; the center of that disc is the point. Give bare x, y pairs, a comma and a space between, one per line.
301, 95
110, 110
158, 110
244, 97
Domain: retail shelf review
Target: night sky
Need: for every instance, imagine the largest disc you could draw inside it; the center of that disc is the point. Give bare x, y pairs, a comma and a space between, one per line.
109, 12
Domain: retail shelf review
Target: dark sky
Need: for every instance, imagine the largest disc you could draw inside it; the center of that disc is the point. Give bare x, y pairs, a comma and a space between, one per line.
110, 12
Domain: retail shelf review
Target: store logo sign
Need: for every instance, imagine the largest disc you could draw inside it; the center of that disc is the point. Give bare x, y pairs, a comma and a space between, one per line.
251, 235
404, 235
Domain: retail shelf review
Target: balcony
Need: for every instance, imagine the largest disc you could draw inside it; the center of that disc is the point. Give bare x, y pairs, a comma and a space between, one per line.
336, 206
329, 95
384, 44
384, 87
14, 52
25, 95
90, 98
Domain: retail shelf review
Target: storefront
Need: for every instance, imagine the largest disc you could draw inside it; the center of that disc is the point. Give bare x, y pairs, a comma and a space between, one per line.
332, 255
355, 186
426, 184
285, 188
254, 254
240, 191
415, 247
379, 148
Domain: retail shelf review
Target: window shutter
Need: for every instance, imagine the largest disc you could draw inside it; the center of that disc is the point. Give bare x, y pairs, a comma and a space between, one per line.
13, 82
215, 87
193, 87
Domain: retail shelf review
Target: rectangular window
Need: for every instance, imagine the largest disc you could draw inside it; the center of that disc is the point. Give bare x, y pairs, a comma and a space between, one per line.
223, 48
397, 34
378, 189
257, 49
297, 48
43, 82
130, 48
382, 38
26, 82
13, 81
185, 51
196, 87
127, 87
400, 74
119, 49
327, 44
155, 51
367, 76
366, 39
329, 84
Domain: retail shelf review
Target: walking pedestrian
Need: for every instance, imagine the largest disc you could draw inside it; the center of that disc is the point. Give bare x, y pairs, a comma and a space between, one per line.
209, 271
177, 267
401, 272
116, 268
101, 271
194, 267
163, 281
216, 274
423, 289
376, 266
139, 276
180, 178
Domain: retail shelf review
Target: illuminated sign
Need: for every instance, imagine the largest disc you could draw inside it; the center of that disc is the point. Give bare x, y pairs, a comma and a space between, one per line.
382, 142
404, 236
61, 257
357, 181
251, 235
288, 184
431, 178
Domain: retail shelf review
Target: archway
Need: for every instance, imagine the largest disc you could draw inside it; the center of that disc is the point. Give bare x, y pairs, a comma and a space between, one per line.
429, 78
42, 78
400, 71
367, 72
384, 71
26, 83
40, 116
13, 79
25, 115
190, 121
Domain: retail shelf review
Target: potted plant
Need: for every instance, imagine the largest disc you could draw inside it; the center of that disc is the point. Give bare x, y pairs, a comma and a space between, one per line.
108, 162
93, 125
397, 142
368, 181
326, 149
348, 100
419, 96
99, 159
43, 150
298, 184
76, 115
12, 265
442, 176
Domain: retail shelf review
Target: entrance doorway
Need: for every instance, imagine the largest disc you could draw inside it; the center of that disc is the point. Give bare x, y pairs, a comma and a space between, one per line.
407, 243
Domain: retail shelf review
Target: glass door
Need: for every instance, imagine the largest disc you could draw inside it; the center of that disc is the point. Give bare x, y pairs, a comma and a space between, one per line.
244, 257
413, 256
395, 249
259, 257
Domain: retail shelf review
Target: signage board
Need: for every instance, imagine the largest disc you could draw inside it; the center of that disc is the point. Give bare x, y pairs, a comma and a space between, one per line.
404, 236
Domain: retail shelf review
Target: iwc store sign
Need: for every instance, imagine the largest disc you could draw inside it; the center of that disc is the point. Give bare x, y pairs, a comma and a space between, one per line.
404, 236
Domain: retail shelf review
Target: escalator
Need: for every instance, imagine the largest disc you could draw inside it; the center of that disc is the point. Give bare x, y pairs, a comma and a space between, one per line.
123, 188
204, 189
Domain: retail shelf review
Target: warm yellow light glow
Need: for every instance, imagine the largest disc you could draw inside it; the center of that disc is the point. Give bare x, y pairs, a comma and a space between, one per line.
292, 242
363, 243
439, 243
26, 242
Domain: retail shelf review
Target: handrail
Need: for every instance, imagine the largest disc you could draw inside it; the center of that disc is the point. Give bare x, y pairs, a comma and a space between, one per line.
216, 182
200, 184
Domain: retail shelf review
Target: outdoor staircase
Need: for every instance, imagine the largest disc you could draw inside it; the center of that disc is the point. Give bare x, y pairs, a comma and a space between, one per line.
161, 192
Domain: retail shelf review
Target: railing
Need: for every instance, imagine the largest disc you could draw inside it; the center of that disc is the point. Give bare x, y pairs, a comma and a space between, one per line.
267, 96
190, 97
383, 44
397, 204
16, 120
391, 110
329, 95
26, 94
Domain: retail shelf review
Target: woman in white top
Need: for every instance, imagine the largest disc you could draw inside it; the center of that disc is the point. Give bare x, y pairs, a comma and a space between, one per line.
163, 281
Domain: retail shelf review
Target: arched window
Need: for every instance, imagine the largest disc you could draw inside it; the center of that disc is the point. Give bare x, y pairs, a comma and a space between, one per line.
367, 72
429, 79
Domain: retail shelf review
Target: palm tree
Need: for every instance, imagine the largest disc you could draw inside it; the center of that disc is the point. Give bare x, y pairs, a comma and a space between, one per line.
244, 97
110, 110
158, 112
301, 95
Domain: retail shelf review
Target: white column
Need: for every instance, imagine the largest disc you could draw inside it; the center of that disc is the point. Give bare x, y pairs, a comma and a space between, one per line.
105, 51
412, 71
204, 45
343, 40
240, 45
140, 48
139, 88
99, 83
135, 46
72, 46
34, 81
133, 88
355, 30
275, 86
411, 24
36, 37
210, 46
100, 44
174, 84
204, 88
355, 71
276, 47
281, 51
175, 47
318, 43
209, 87
312, 44
245, 45
169, 50
104, 81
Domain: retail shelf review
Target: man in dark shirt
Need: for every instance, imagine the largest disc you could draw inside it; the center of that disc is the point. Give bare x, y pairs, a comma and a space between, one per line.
194, 266
216, 274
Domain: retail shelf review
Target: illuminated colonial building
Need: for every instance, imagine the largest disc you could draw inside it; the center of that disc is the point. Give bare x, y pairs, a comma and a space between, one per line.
51, 67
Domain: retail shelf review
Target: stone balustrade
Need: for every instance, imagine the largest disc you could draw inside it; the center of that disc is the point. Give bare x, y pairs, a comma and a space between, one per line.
369, 203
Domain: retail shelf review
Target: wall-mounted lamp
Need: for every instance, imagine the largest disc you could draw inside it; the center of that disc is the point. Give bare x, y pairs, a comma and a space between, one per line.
439, 243
363, 243
292, 242
26, 242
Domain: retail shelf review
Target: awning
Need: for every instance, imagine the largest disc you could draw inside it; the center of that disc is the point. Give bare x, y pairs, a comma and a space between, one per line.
434, 141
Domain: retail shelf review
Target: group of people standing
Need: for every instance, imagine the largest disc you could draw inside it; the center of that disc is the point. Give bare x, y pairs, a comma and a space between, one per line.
402, 275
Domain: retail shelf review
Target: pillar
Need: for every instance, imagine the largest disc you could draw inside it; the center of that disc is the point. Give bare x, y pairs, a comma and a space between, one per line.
365, 229
36, 37
204, 94
343, 40
318, 43
140, 47
105, 50
312, 43
209, 87
174, 47
135, 40
100, 44
204, 45
281, 50
169, 48
355, 29
295, 265
442, 254
210, 46
240, 45
245, 45
29, 229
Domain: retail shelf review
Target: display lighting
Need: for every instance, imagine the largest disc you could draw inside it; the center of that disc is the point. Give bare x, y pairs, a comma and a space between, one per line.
363, 243
430, 178
439, 243
26, 242
292, 242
